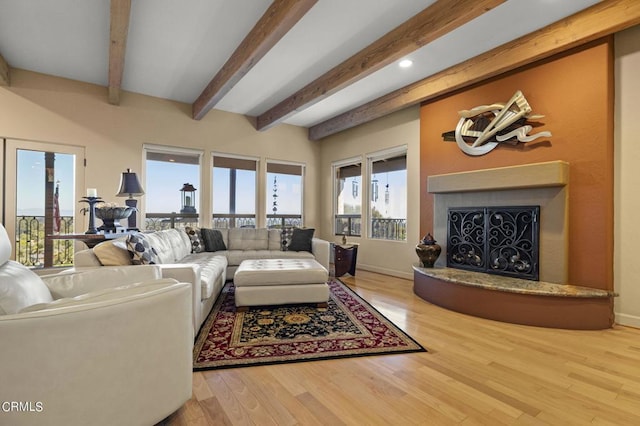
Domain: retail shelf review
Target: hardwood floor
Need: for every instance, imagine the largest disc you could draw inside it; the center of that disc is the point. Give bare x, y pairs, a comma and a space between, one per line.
476, 372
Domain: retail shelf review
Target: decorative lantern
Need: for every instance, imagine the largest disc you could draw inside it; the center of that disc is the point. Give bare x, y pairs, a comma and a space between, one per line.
188, 198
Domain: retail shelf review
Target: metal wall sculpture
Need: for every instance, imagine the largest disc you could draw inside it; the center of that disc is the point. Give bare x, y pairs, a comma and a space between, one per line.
481, 129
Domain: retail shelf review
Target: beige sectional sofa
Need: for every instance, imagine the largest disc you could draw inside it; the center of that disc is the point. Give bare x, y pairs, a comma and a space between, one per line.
207, 271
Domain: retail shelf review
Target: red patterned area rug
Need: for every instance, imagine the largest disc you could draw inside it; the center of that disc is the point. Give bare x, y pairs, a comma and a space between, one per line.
348, 327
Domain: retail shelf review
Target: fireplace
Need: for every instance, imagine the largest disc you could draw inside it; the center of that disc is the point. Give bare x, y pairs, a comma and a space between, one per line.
538, 184
550, 301
501, 240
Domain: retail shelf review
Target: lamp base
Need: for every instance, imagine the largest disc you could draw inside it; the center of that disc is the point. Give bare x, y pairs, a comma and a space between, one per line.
132, 202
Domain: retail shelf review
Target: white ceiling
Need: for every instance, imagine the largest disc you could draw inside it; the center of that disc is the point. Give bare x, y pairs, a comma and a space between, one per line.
174, 48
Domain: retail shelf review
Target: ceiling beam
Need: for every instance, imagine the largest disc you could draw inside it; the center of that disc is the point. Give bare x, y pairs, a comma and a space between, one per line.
4, 72
279, 18
433, 22
604, 18
120, 13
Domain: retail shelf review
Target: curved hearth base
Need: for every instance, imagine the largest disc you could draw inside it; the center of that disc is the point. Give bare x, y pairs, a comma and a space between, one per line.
576, 313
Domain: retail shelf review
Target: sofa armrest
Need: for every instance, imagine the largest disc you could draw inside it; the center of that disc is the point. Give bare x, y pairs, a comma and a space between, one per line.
136, 349
189, 273
320, 249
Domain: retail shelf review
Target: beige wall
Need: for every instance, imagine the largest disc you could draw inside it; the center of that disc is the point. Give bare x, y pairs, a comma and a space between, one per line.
627, 177
49, 109
401, 128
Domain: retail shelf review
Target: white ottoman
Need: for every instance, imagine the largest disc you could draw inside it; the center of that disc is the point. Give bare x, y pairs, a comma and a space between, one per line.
280, 282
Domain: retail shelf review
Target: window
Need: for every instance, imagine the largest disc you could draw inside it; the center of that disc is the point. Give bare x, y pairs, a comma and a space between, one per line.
348, 197
234, 191
284, 194
388, 195
170, 202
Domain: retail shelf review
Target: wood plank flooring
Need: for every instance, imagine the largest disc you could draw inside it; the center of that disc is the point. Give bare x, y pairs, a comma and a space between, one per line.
477, 372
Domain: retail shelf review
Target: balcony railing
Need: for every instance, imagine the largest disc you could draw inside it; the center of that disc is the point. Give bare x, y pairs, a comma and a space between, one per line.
284, 220
348, 224
381, 228
234, 220
32, 247
160, 221
389, 229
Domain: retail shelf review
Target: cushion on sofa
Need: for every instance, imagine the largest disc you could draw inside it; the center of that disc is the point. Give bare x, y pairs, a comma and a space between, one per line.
142, 253
80, 282
212, 272
113, 252
212, 240
197, 245
248, 239
20, 287
301, 239
178, 243
275, 239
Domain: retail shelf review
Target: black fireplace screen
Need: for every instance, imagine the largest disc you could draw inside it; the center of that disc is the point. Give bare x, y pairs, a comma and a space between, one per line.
495, 240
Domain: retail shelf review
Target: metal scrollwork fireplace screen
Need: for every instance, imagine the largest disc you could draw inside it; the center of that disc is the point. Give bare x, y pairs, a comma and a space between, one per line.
495, 240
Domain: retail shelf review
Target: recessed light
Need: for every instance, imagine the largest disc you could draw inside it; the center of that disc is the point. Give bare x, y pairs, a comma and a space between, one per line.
405, 63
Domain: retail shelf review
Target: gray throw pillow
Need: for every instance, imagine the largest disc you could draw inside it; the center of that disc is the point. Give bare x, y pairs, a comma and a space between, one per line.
197, 246
285, 237
301, 239
141, 252
212, 239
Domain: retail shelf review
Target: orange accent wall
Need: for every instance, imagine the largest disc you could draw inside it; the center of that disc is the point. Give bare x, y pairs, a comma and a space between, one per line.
575, 92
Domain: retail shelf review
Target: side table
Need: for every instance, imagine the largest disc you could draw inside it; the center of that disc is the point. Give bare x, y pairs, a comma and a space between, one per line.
345, 259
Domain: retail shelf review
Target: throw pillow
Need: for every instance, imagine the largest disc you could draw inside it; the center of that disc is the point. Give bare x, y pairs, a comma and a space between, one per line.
197, 246
113, 253
141, 252
301, 239
285, 237
212, 239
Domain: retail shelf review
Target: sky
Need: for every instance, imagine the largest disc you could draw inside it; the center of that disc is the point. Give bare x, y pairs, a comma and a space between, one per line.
396, 207
31, 183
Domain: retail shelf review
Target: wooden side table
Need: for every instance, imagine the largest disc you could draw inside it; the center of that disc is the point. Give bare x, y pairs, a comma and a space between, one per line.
91, 240
345, 259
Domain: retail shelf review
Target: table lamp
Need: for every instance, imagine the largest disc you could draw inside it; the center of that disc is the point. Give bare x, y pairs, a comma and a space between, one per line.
130, 186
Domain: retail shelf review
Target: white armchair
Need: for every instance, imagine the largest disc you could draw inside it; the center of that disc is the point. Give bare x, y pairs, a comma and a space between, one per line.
95, 347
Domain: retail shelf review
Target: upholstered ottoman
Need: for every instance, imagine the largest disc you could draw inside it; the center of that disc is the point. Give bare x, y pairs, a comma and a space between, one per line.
280, 282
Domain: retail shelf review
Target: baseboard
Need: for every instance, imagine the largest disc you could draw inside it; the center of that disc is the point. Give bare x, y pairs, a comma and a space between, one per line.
408, 275
628, 320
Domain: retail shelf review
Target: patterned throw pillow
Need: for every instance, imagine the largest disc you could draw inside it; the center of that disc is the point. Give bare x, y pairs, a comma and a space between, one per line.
301, 239
285, 238
141, 252
212, 240
197, 246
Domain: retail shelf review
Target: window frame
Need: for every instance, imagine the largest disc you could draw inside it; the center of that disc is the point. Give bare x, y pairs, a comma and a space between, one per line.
267, 192
174, 150
371, 158
352, 161
232, 216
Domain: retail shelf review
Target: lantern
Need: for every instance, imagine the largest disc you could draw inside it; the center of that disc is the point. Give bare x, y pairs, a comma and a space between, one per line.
188, 198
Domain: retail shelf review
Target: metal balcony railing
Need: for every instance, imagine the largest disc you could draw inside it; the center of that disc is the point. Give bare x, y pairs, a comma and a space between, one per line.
160, 221
234, 220
389, 229
381, 228
32, 247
